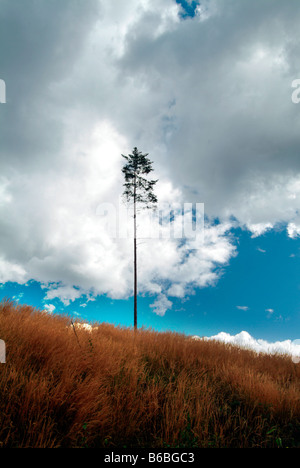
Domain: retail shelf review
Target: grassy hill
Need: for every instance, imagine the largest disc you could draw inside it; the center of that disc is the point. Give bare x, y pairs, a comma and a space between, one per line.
65, 386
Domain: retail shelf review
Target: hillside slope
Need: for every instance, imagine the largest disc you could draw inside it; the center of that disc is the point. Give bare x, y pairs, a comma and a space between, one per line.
65, 386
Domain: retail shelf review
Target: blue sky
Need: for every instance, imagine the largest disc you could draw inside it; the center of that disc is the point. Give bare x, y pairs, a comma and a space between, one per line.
259, 291
188, 8
205, 88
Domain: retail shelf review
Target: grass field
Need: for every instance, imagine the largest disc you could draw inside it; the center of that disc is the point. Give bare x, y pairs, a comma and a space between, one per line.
65, 386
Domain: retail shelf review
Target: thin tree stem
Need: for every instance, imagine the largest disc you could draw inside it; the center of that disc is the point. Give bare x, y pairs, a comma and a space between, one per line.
135, 260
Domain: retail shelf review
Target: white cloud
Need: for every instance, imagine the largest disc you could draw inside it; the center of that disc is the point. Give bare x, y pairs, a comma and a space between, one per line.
172, 269
49, 308
293, 230
10, 271
68, 249
66, 294
176, 290
161, 305
137, 75
245, 308
245, 340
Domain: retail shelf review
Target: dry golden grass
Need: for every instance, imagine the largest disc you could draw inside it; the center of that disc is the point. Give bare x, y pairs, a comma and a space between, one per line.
112, 388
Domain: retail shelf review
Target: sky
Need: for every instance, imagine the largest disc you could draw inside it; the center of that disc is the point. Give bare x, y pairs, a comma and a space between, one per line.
208, 90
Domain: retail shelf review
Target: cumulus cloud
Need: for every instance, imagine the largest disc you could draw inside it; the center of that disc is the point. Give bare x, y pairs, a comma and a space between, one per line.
232, 130
161, 305
209, 98
245, 340
293, 230
49, 308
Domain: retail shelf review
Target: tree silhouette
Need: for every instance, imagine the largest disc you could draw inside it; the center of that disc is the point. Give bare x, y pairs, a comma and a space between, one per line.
139, 190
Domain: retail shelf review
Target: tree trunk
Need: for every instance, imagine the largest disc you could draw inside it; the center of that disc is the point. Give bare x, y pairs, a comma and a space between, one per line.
135, 260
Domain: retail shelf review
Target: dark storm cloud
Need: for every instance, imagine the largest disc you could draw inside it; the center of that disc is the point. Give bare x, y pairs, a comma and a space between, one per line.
40, 41
209, 98
230, 77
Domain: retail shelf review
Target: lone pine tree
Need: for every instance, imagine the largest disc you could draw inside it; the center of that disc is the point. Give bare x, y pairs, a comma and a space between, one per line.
139, 190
